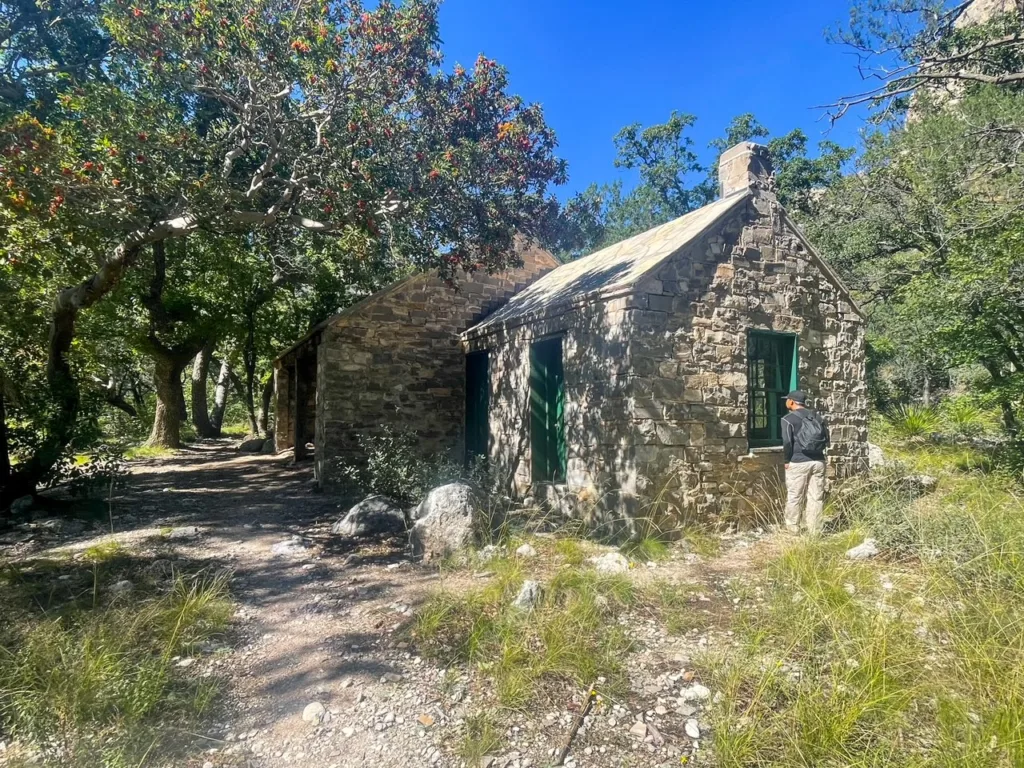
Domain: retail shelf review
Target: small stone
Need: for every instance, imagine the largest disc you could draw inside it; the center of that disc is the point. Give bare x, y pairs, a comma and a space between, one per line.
122, 587
425, 720
207, 764
654, 735
639, 730
692, 729
660, 710
186, 663
612, 562
314, 713
348, 732
695, 692
529, 595
391, 677
864, 551
526, 551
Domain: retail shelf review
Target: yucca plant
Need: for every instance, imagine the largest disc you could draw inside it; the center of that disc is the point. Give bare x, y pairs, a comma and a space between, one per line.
913, 421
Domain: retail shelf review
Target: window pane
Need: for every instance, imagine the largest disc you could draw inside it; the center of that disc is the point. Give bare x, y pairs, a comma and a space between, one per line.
771, 374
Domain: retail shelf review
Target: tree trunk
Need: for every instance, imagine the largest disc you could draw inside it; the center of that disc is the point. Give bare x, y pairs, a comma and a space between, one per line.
62, 384
1006, 405
220, 397
182, 404
265, 401
200, 408
5, 457
247, 399
249, 363
167, 419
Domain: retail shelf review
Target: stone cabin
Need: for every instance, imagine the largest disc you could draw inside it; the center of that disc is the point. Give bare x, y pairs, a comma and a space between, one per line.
645, 379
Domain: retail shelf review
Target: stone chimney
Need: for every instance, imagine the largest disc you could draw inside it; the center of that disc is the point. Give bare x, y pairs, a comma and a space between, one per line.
746, 166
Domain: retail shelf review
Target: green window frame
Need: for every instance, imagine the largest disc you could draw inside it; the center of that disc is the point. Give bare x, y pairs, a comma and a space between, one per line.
478, 396
771, 375
547, 411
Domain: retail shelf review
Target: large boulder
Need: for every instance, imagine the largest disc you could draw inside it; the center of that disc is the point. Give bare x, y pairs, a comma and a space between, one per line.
251, 445
22, 505
450, 518
373, 515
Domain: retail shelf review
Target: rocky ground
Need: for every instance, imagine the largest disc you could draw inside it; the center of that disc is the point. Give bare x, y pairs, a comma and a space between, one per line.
322, 671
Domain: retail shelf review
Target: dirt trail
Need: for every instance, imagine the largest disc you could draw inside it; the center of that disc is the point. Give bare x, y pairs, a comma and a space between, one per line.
321, 622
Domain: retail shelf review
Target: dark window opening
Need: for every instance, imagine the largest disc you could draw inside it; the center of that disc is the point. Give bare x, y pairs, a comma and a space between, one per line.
547, 411
477, 401
771, 375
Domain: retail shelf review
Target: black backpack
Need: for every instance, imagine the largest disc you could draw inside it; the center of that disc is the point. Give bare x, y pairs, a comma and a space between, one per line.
812, 437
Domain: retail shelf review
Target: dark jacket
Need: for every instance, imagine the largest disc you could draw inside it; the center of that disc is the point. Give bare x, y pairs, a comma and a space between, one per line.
790, 426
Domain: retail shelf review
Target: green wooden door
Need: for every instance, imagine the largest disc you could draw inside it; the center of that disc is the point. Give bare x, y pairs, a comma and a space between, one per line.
547, 411
477, 402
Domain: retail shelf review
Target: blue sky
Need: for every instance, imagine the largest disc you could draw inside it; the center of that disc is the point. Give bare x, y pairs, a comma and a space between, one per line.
600, 64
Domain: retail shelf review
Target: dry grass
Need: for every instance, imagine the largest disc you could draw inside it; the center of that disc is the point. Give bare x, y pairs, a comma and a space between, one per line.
915, 659
91, 681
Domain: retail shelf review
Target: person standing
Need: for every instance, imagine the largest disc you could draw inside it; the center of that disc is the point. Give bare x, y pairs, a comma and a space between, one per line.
805, 439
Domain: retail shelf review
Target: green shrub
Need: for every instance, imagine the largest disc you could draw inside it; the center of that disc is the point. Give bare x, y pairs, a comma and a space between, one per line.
913, 421
90, 474
394, 466
964, 417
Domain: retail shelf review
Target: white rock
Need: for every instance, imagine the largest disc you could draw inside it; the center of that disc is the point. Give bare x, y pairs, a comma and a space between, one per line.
122, 587
529, 595
876, 459
864, 551
450, 518
695, 692
639, 730
526, 551
692, 729
314, 713
612, 562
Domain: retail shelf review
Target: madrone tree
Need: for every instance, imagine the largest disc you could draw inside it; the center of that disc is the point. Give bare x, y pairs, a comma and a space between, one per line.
239, 116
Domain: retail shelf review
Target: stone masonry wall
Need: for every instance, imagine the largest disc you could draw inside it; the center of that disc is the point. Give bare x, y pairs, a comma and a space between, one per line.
395, 361
656, 381
690, 360
598, 428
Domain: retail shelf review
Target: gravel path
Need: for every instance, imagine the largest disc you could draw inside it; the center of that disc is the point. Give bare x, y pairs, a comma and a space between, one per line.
321, 674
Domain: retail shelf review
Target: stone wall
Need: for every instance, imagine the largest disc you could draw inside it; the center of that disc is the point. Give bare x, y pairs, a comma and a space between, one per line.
598, 424
395, 361
755, 272
656, 381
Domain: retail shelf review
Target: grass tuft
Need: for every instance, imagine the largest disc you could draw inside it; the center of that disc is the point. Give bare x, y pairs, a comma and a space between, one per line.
914, 659
570, 635
97, 686
482, 737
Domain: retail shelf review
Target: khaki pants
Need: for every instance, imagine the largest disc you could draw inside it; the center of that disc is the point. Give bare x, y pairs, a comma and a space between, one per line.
805, 483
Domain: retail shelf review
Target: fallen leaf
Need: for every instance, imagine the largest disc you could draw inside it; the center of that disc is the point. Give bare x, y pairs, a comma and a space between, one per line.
426, 720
